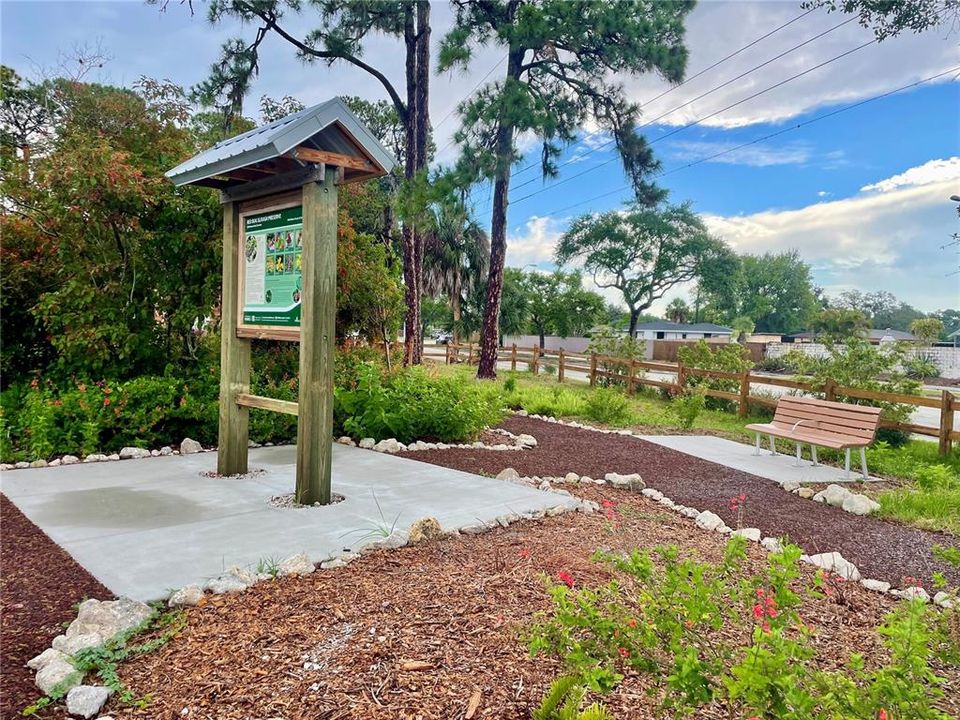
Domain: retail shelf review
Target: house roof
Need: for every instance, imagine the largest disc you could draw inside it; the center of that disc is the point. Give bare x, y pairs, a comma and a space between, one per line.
667, 326
329, 127
873, 334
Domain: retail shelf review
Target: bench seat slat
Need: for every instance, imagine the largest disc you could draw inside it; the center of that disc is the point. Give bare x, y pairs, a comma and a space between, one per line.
821, 422
825, 425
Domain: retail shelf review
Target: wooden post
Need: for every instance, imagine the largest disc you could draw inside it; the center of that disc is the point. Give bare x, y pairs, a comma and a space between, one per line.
744, 392
946, 421
446, 354
535, 365
513, 357
830, 390
593, 369
234, 356
560, 367
470, 354
631, 376
681, 378
318, 315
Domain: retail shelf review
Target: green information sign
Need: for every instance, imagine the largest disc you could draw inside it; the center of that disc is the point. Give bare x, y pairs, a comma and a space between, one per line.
272, 255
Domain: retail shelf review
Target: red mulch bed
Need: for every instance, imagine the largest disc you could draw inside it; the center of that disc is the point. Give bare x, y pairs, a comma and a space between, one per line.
881, 549
39, 586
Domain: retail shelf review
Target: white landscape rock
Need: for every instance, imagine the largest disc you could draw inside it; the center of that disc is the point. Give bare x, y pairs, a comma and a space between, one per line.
74, 644
57, 673
912, 593
108, 618
833, 495
187, 596
709, 521
233, 580
652, 494
632, 481
945, 599
166, 450
298, 564
39, 463
875, 585
47, 656
771, 544
86, 700
752, 534
390, 445
188, 447
690, 512
345, 440
526, 440
835, 563
508, 474
133, 453
571, 477
859, 504
805, 492
367, 443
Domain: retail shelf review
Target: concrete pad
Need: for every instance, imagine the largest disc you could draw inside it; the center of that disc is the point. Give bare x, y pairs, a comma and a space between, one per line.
740, 456
145, 527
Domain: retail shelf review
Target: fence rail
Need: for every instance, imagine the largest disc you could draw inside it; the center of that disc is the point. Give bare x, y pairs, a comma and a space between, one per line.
632, 374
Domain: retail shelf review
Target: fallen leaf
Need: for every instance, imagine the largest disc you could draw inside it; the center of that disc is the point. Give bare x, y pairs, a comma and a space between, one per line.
473, 704
414, 665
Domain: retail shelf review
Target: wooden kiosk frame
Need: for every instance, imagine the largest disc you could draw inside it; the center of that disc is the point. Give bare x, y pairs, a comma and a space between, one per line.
299, 160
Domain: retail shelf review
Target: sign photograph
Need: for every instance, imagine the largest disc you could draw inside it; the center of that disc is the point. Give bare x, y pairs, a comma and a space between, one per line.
271, 259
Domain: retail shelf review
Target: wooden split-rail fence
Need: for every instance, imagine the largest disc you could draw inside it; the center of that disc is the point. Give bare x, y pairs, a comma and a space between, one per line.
591, 367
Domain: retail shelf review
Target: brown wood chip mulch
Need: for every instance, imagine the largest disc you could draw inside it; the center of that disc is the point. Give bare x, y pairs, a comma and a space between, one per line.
881, 549
39, 586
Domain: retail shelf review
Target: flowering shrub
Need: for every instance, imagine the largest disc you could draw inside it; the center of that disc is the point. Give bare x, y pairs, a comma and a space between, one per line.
664, 619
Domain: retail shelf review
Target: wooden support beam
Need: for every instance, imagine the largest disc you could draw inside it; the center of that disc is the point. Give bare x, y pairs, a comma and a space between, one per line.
318, 314
259, 402
234, 356
273, 184
329, 158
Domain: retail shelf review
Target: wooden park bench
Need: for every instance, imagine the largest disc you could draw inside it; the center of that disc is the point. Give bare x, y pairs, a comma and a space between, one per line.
839, 426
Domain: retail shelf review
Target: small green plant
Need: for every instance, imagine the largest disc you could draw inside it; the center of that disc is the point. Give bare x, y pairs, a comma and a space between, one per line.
377, 529
104, 660
607, 406
920, 367
564, 701
268, 566
510, 384
688, 405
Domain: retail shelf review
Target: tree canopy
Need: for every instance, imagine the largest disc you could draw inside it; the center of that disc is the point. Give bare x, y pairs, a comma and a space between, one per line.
643, 252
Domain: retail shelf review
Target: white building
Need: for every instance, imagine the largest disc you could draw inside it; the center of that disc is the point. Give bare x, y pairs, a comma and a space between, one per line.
665, 330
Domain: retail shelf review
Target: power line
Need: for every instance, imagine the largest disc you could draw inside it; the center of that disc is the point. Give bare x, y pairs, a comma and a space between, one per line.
475, 88
706, 93
705, 117
714, 89
763, 138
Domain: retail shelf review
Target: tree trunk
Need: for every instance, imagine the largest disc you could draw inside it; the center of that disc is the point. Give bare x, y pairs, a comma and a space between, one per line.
455, 307
634, 316
542, 340
411, 277
490, 329
422, 110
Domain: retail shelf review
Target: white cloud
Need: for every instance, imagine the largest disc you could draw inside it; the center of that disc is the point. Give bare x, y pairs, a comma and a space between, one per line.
759, 155
536, 242
887, 240
933, 171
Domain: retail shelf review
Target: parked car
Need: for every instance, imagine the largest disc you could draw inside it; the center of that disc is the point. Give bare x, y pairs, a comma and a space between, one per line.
443, 338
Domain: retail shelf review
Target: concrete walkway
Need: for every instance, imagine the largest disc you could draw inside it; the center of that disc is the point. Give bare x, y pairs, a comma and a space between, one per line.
144, 527
739, 456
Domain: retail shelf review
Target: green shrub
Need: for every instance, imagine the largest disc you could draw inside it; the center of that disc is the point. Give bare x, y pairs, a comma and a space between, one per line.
708, 637
731, 358
552, 401
608, 343
414, 405
607, 406
920, 367
688, 405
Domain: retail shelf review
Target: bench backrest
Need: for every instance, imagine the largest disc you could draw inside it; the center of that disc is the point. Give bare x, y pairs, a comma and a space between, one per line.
856, 422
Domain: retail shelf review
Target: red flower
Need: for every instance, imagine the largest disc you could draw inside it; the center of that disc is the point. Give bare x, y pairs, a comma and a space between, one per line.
106, 401
566, 578
524, 552
882, 715
608, 503
624, 652
758, 611
631, 623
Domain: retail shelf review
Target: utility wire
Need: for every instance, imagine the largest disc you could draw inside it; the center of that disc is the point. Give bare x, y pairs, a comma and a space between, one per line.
705, 117
763, 138
454, 108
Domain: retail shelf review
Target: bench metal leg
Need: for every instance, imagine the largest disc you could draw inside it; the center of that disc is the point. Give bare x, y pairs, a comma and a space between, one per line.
863, 463
846, 475
799, 462
813, 454
757, 452
773, 446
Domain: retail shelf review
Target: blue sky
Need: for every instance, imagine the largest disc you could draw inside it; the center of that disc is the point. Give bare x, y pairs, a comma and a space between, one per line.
863, 195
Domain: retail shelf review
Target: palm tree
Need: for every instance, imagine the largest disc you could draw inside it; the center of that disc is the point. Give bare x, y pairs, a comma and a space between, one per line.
456, 256
677, 311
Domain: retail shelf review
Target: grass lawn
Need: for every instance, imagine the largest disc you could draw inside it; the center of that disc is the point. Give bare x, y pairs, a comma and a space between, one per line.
924, 490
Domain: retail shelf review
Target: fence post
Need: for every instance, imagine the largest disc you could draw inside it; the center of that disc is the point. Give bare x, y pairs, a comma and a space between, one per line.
744, 392
631, 374
946, 421
535, 365
593, 369
470, 354
513, 357
681, 377
560, 367
830, 390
